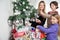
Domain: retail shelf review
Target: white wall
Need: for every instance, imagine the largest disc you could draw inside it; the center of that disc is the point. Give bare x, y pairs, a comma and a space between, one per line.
47, 2
5, 11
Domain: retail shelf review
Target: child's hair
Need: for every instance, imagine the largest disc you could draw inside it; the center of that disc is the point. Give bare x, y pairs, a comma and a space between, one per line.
39, 6
58, 18
55, 3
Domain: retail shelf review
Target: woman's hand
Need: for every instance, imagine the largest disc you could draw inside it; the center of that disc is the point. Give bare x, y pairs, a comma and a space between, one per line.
32, 19
44, 14
38, 21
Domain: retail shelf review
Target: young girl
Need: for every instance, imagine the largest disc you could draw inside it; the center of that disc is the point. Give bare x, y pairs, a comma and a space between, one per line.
53, 6
52, 31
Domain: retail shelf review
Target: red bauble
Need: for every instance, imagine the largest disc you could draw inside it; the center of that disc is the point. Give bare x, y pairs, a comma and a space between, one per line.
14, 31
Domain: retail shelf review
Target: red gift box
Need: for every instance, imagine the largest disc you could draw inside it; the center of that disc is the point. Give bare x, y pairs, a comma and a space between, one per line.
19, 34
42, 35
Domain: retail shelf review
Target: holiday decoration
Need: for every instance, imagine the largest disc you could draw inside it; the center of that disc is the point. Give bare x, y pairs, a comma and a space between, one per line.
19, 22
23, 11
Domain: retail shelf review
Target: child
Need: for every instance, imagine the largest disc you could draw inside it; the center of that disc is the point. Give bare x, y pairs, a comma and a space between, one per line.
53, 6
52, 31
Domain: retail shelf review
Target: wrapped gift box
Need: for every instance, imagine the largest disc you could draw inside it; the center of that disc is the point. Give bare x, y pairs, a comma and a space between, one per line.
29, 34
19, 34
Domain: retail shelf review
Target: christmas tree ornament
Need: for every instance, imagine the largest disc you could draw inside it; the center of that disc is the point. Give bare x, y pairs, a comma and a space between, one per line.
36, 15
14, 0
16, 10
17, 13
9, 22
21, 21
17, 21
24, 9
15, 5
23, 2
27, 7
14, 30
27, 21
27, 13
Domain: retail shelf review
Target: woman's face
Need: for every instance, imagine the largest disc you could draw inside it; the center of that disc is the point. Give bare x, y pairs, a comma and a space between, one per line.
54, 20
42, 6
53, 7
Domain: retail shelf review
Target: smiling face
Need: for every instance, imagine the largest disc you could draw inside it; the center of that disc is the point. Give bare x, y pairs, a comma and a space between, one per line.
53, 7
42, 6
54, 20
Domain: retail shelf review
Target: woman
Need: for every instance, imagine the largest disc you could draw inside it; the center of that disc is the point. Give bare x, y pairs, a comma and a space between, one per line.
40, 20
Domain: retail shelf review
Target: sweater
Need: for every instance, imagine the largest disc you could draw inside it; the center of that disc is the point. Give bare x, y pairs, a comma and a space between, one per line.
51, 32
34, 24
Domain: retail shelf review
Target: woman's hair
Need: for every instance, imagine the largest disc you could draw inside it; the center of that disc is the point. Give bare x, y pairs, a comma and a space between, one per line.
55, 3
39, 6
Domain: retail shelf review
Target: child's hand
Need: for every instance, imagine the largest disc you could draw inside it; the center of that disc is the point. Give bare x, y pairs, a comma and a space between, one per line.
37, 30
37, 26
38, 21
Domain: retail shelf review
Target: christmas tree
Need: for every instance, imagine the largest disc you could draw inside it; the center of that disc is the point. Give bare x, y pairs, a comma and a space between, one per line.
22, 10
